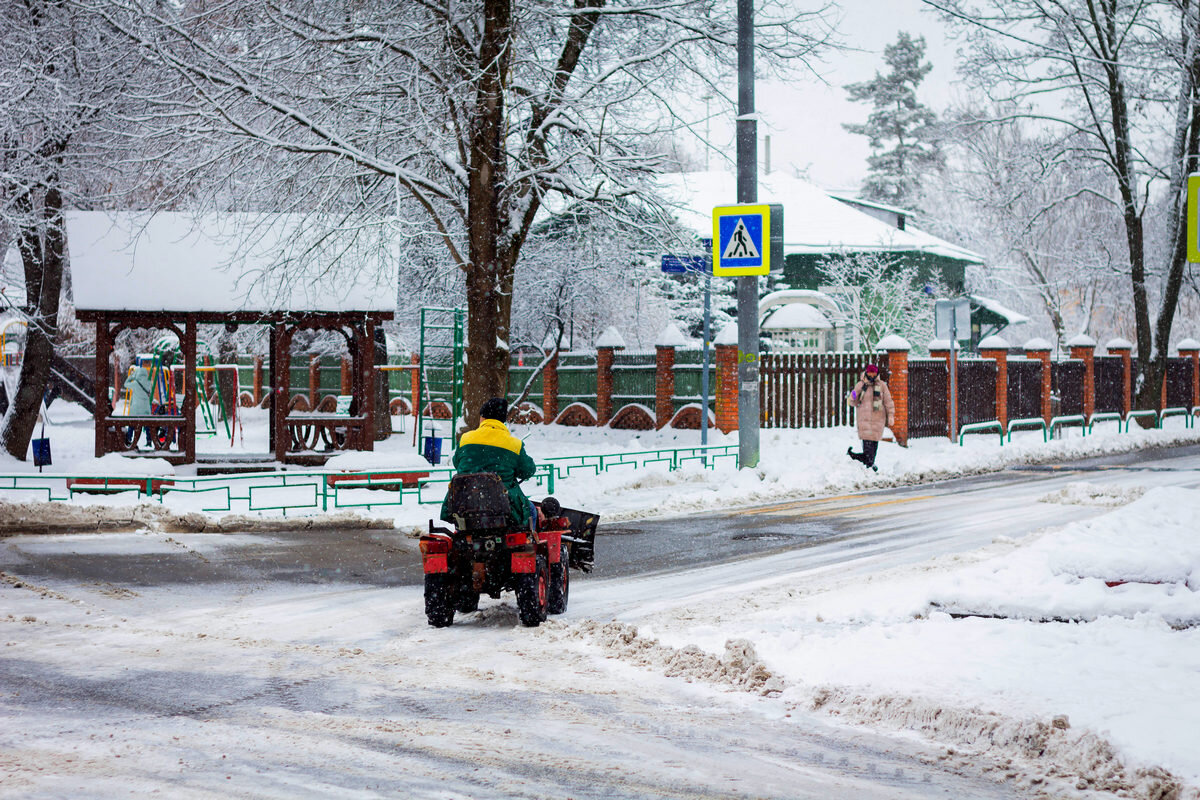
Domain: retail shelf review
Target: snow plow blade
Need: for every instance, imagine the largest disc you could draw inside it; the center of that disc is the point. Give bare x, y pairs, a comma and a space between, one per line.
583, 538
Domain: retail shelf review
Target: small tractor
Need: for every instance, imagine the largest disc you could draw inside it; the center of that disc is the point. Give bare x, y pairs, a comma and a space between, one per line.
485, 554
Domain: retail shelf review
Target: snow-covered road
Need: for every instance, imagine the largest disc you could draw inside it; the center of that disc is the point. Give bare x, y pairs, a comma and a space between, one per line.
267, 685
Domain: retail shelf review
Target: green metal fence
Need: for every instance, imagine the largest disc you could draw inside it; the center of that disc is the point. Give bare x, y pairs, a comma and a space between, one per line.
321, 491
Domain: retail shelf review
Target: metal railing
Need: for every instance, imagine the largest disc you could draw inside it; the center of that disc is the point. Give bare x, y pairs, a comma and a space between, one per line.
290, 492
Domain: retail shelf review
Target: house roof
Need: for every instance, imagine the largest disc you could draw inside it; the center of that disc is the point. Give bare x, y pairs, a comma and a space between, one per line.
168, 261
813, 221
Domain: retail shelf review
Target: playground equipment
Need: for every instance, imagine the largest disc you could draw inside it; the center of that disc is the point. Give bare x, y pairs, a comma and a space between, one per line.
441, 365
166, 350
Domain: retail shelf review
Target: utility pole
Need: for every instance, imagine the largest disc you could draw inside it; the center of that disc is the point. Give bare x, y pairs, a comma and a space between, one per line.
747, 285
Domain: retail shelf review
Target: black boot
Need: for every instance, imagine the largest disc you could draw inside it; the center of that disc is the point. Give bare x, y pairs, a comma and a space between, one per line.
856, 456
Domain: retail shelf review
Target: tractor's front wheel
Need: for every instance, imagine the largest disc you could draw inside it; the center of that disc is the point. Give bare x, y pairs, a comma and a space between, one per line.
439, 600
533, 594
560, 583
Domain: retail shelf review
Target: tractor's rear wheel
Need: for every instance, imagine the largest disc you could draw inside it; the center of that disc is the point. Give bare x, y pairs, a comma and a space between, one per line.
532, 594
439, 600
468, 600
560, 583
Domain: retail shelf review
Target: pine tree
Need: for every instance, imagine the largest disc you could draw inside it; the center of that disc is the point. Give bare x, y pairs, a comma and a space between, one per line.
898, 121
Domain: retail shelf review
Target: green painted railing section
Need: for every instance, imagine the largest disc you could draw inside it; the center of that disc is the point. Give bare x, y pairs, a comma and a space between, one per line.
291, 492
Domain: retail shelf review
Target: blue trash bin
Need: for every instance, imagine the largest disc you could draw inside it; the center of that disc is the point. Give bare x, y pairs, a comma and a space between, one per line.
433, 450
41, 452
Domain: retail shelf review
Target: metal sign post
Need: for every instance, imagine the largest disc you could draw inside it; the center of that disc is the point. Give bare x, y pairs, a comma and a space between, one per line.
676, 265
949, 317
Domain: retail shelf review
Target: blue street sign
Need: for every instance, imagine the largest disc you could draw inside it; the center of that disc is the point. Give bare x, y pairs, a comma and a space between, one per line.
677, 265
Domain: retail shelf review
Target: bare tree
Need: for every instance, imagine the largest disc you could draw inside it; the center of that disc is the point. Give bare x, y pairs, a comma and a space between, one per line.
62, 78
887, 297
1053, 244
1121, 74
461, 117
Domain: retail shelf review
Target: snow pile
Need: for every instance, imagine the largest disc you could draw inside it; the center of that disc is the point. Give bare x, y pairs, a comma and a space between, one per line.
738, 667
994, 650
1082, 493
1143, 559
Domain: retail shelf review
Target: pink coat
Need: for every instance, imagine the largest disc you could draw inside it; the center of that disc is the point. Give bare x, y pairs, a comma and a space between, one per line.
874, 409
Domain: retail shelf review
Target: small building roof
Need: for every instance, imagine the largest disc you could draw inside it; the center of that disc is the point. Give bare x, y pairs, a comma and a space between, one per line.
796, 316
222, 263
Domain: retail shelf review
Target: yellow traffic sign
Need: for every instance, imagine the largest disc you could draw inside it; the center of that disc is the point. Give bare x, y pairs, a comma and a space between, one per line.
742, 240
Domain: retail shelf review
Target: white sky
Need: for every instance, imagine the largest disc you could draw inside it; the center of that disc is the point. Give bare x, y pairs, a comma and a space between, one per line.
804, 119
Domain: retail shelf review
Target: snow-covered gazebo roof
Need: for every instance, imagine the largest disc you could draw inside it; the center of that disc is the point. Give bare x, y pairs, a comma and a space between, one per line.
226, 263
813, 221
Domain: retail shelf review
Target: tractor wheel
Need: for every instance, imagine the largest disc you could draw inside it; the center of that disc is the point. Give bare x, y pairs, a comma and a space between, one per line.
468, 600
439, 600
560, 584
532, 591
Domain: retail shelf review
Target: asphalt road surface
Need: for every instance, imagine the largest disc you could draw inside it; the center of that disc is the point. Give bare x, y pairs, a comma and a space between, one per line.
299, 664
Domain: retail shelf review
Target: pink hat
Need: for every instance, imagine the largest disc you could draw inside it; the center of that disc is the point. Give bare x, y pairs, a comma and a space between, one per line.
872, 369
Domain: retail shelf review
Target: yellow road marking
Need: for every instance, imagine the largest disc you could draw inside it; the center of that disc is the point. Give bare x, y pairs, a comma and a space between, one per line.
798, 504
829, 511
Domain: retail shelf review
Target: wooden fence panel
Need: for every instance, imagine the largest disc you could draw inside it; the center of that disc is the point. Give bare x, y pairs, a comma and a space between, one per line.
1067, 385
1109, 375
928, 393
1179, 383
1024, 388
976, 390
808, 389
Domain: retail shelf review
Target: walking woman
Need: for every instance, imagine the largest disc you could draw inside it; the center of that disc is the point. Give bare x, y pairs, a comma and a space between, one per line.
873, 412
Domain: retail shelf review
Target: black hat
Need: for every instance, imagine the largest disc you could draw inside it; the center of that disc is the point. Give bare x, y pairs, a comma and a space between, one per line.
496, 408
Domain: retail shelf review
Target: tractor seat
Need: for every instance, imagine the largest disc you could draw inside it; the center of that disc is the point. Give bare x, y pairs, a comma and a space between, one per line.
478, 501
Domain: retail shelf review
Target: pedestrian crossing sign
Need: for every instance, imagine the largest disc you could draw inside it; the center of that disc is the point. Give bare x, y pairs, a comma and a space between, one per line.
742, 240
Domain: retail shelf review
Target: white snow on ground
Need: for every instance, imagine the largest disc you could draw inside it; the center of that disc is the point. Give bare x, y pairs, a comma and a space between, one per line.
1028, 628
1021, 648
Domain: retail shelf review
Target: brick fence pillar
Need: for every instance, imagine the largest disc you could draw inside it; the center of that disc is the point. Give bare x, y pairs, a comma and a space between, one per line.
664, 384
1083, 347
606, 346
941, 348
1124, 349
996, 348
604, 384
550, 388
664, 373
1040, 349
726, 386
896, 349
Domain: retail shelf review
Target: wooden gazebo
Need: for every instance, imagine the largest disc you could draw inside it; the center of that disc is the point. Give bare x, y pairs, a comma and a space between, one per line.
175, 272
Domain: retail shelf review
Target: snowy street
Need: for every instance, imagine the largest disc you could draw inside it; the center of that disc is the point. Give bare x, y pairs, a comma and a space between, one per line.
270, 668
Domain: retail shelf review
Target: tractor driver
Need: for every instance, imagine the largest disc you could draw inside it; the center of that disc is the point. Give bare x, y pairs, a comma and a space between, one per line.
491, 448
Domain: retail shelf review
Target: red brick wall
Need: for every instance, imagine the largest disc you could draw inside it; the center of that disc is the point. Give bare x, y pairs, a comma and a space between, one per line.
897, 362
1044, 357
1001, 359
604, 384
664, 385
726, 389
1087, 353
550, 390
